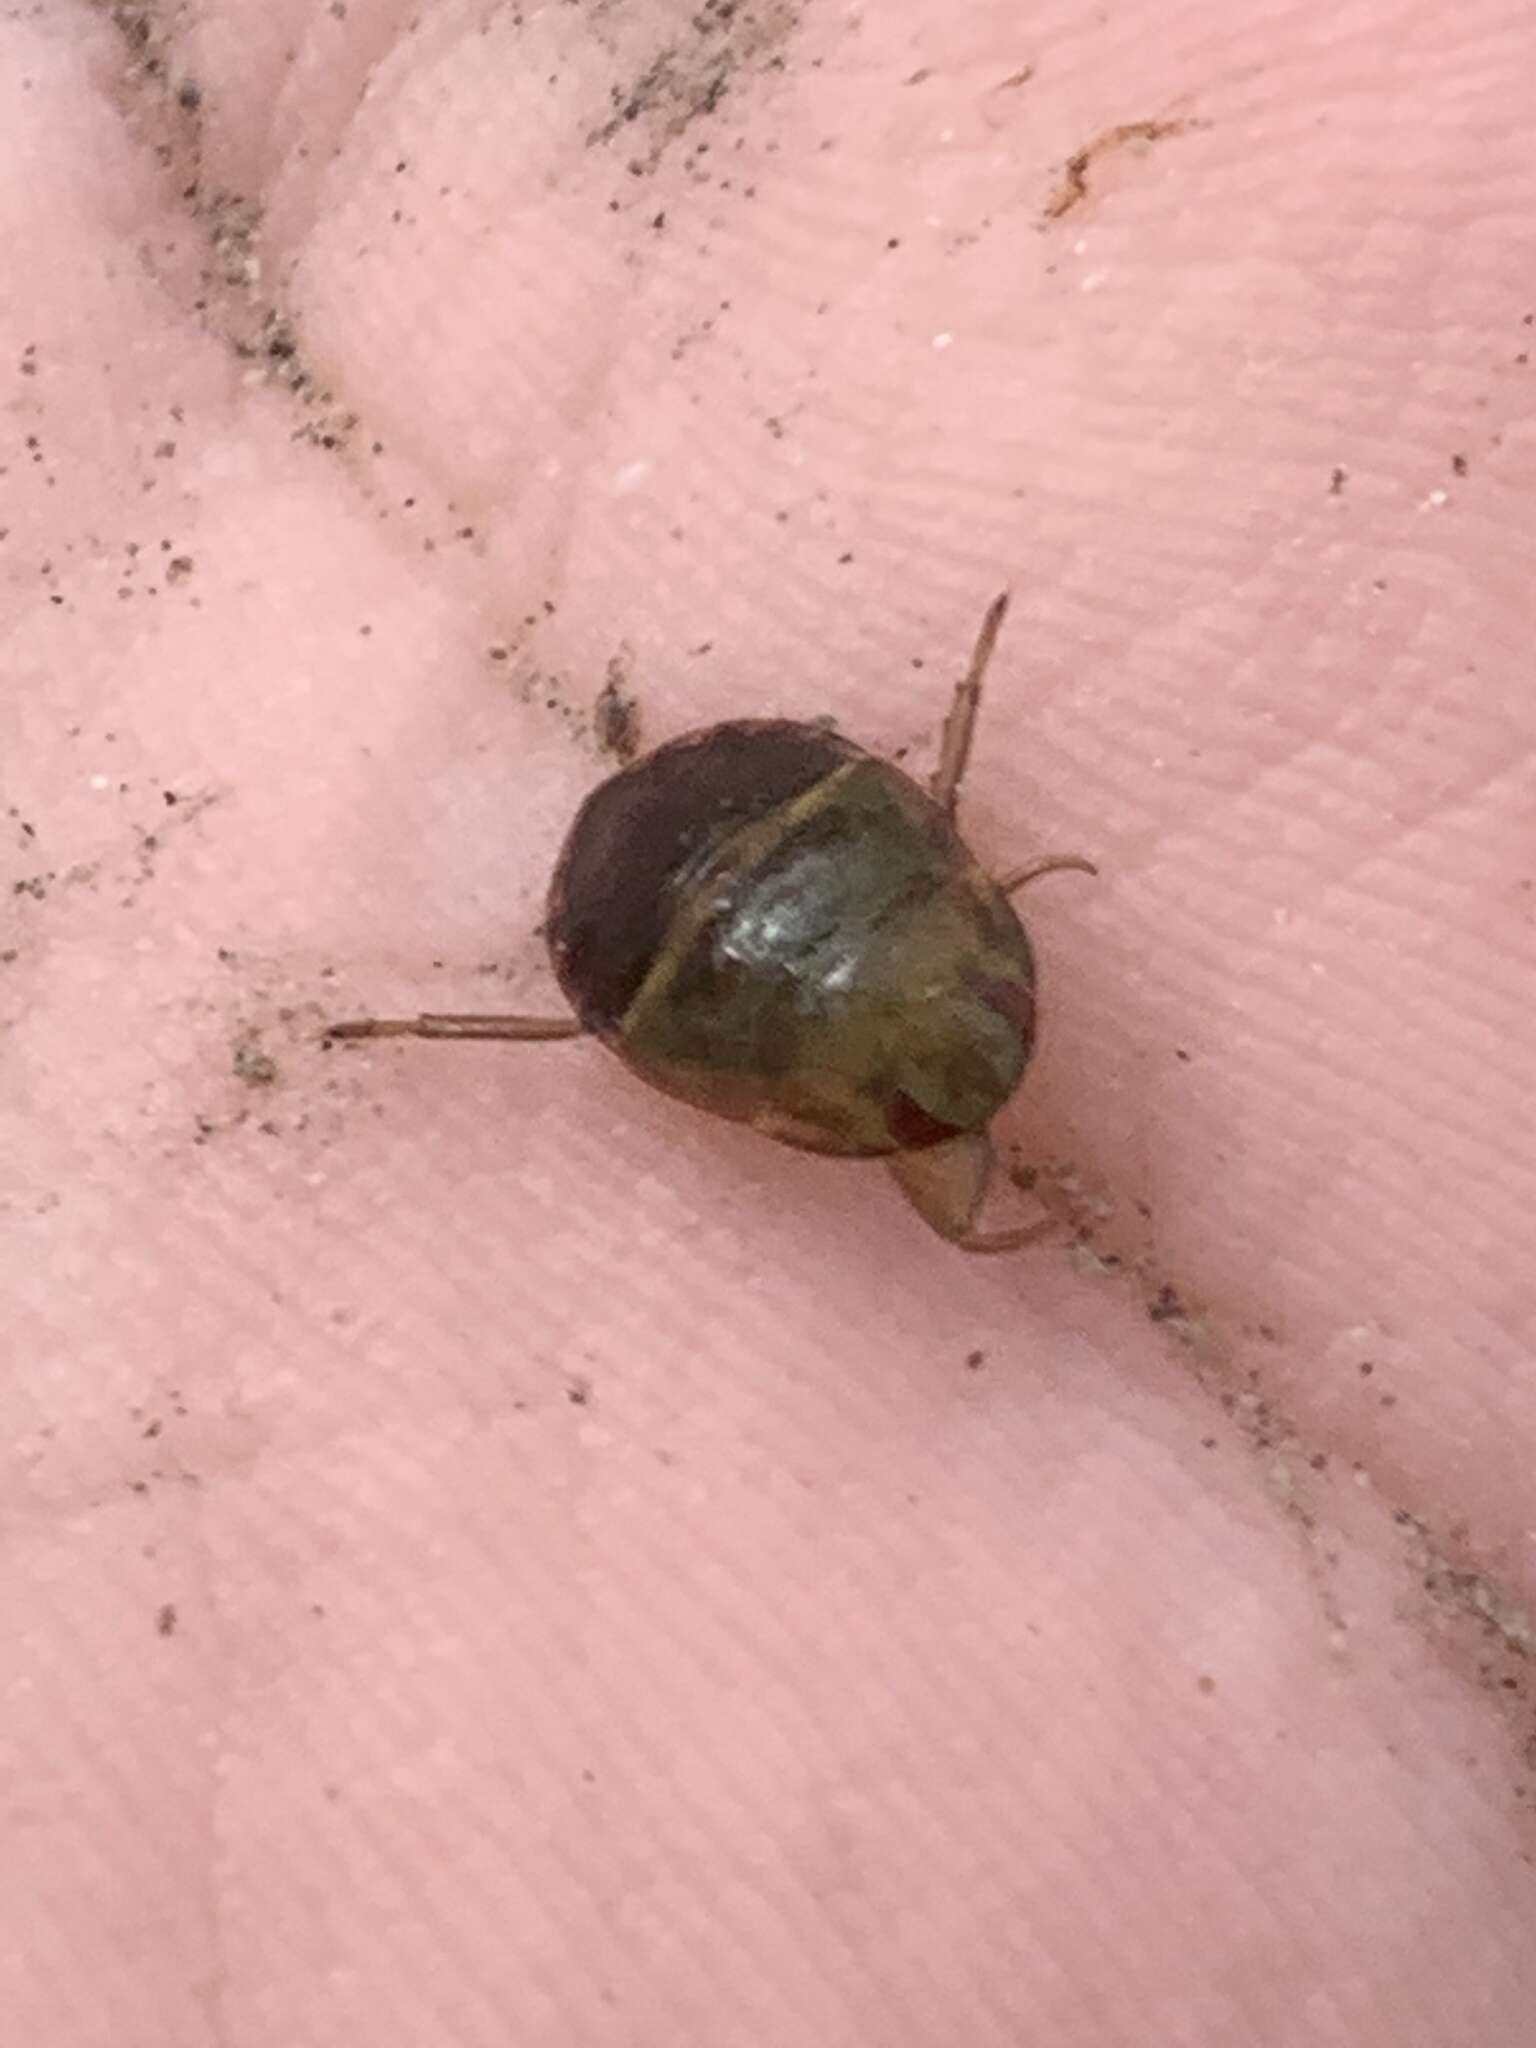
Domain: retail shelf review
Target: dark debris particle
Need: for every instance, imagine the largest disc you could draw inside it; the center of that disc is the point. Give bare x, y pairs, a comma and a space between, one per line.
1165, 1306
579, 1392
165, 1620
250, 1064
616, 715
1336, 482
975, 1360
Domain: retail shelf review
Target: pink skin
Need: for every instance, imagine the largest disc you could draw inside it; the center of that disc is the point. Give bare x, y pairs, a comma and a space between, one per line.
493, 1558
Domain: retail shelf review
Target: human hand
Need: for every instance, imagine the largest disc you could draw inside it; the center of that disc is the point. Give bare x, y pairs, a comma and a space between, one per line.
496, 1558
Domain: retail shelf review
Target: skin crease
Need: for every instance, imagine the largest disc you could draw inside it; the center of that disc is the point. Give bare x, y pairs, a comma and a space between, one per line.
491, 1557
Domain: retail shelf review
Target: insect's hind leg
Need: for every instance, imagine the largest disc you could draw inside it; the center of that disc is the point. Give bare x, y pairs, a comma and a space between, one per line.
442, 1025
960, 722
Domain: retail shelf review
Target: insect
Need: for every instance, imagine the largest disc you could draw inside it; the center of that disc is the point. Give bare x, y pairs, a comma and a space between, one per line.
776, 926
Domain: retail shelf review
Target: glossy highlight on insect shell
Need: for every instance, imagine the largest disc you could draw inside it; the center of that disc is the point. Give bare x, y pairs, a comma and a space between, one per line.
771, 923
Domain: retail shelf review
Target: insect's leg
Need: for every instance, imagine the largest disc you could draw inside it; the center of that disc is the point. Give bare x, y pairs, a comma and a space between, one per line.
443, 1026
960, 723
1047, 864
947, 1185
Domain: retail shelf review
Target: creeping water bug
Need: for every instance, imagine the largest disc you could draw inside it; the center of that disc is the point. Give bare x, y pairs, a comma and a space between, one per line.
776, 926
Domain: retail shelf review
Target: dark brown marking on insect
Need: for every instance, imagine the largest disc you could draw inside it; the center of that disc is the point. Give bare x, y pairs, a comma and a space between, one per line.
1014, 1000
641, 836
915, 1128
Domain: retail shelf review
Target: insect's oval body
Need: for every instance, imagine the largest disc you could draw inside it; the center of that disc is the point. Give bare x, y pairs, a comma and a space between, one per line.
779, 927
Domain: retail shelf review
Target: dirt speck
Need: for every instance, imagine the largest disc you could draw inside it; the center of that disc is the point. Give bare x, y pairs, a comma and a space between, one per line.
616, 714
231, 295
685, 79
251, 1064
1164, 1305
